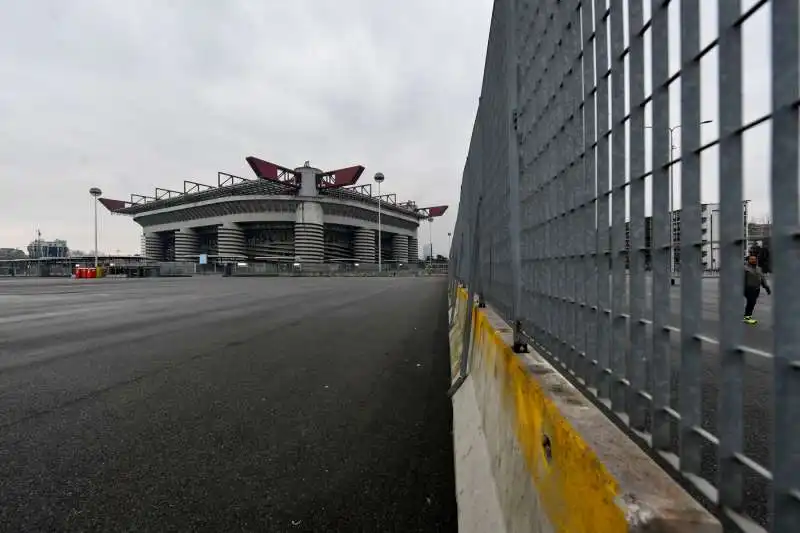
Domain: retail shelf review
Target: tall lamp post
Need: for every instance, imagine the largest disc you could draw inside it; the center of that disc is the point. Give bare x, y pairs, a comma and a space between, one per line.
712, 239
672, 149
379, 179
745, 208
430, 238
95, 192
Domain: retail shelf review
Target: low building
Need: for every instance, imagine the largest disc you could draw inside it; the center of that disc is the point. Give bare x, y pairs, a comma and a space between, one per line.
710, 225
42, 249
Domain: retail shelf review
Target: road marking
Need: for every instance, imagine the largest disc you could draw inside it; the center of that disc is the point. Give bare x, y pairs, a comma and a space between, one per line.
53, 314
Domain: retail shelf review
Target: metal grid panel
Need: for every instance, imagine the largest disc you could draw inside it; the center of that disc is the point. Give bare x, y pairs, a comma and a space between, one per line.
494, 138
785, 199
602, 254
661, 366
691, 283
732, 365
641, 351
561, 134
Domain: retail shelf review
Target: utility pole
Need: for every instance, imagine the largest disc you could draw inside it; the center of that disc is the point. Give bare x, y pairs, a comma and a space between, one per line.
95, 192
379, 179
672, 149
430, 238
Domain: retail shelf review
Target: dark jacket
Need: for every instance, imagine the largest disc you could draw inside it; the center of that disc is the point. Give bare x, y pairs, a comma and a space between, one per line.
754, 279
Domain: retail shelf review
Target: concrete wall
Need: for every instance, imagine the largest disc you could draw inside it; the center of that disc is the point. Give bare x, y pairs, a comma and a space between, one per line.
534, 455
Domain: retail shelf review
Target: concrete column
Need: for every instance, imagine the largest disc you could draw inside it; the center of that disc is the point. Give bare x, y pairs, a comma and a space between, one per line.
413, 250
308, 180
187, 245
309, 234
230, 242
400, 248
364, 244
153, 246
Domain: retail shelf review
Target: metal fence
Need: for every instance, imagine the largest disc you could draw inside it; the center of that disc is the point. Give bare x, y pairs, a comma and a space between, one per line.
571, 143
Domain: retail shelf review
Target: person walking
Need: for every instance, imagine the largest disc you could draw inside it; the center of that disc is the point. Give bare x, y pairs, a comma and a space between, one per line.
754, 279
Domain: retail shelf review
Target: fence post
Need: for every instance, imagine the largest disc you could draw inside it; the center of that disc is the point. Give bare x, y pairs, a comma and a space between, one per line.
512, 85
473, 282
785, 192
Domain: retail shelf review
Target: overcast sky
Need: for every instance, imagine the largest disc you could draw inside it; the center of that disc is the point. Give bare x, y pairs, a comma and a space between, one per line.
756, 103
130, 95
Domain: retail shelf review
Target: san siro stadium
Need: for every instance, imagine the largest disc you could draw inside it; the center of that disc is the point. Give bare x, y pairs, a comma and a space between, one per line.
302, 215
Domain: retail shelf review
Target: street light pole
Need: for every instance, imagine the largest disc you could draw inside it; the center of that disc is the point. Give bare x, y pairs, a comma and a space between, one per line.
379, 179
712, 239
430, 238
95, 234
95, 192
672, 149
746, 229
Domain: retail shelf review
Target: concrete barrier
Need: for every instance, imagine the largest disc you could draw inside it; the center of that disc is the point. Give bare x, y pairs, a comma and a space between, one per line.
534, 455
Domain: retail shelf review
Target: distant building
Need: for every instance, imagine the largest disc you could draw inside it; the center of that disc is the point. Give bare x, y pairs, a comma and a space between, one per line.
12, 253
41, 248
757, 232
304, 215
711, 230
710, 225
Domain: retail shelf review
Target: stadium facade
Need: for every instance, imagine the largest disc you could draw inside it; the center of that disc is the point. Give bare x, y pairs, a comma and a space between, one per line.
302, 215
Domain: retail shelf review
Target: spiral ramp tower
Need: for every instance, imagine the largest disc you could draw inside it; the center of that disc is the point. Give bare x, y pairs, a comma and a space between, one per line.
230, 242
413, 249
153, 246
400, 248
364, 245
186, 245
309, 234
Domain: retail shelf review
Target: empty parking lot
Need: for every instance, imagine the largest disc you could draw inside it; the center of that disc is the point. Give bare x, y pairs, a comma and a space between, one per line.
305, 404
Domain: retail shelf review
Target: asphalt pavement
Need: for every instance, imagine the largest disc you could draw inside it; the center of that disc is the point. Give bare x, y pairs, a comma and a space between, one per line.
211, 404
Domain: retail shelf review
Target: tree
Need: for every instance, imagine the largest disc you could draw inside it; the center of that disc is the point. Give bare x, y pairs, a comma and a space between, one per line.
12, 253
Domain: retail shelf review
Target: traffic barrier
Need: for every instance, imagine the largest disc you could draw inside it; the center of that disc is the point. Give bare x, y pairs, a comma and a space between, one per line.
556, 462
89, 272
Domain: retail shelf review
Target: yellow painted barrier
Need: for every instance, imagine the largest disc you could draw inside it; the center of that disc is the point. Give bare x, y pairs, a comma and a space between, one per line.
558, 463
457, 331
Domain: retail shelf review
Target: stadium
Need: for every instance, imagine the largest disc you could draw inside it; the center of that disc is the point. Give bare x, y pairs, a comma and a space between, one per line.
304, 215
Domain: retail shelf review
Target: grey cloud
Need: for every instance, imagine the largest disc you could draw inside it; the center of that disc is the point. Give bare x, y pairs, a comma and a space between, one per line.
132, 95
